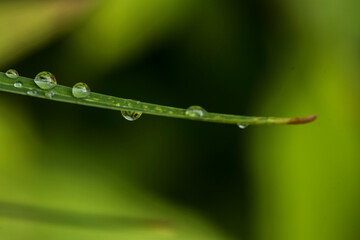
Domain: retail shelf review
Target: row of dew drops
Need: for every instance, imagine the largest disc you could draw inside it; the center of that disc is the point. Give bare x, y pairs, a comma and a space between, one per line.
47, 81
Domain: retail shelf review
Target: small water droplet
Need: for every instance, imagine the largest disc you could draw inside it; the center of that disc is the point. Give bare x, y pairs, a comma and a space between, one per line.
50, 93
32, 92
195, 111
45, 80
130, 115
81, 90
11, 73
18, 84
243, 125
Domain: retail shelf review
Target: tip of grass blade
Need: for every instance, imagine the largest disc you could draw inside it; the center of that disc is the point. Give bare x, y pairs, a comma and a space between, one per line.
302, 120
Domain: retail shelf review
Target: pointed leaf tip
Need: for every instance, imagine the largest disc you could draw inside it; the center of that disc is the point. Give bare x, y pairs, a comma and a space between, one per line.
302, 120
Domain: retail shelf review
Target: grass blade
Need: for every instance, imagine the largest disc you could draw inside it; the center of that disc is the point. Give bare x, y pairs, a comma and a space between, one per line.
64, 94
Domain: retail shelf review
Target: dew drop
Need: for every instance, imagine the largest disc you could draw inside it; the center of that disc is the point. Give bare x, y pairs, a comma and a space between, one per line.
50, 93
11, 73
130, 115
18, 84
32, 92
195, 111
243, 125
81, 90
45, 80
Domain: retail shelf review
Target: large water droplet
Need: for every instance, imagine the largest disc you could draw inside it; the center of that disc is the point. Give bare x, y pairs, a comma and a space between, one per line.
130, 115
45, 80
195, 111
243, 125
18, 84
50, 93
32, 92
81, 90
11, 73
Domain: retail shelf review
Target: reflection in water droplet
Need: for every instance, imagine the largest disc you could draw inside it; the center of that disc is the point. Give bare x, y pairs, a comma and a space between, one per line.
50, 93
11, 73
45, 80
243, 125
32, 92
81, 90
130, 115
195, 111
18, 84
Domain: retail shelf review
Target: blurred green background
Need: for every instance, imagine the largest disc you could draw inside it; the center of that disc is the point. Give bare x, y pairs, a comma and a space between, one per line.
72, 172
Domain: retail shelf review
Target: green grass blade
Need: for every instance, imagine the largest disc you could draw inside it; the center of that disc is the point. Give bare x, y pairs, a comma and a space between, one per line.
64, 94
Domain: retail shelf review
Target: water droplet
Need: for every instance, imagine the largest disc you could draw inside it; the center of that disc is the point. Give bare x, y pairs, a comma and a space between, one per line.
18, 84
11, 73
81, 90
32, 92
195, 111
243, 125
130, 115
45, 80
50, 93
